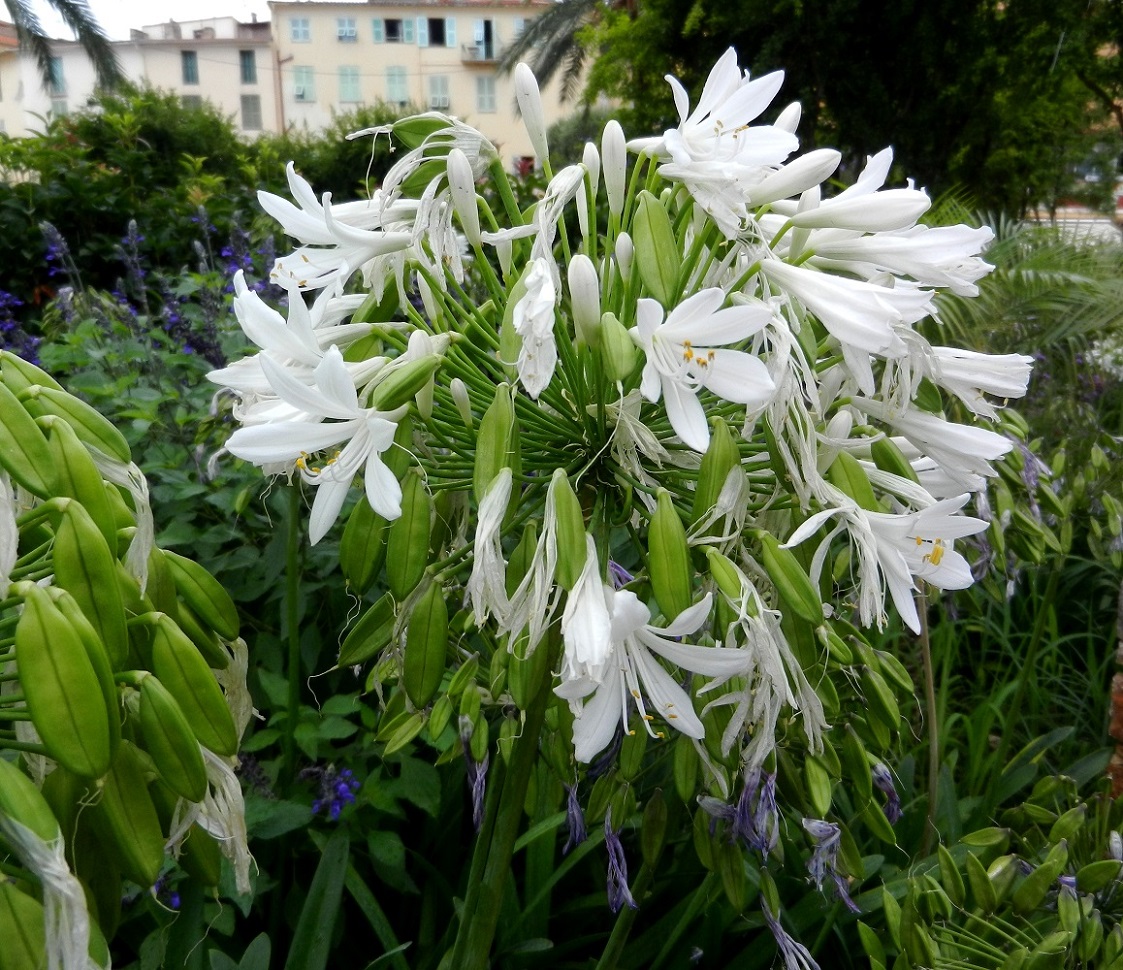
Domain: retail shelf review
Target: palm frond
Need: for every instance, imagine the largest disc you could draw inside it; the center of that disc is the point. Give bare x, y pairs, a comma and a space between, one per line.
78, 16
549, 43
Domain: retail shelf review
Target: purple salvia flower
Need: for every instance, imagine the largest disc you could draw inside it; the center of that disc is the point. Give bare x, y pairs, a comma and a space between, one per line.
619, 895
796, 956
575, 819
883, 782
823, 864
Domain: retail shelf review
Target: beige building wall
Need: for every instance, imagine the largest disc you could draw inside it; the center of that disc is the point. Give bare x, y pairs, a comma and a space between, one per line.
334, 57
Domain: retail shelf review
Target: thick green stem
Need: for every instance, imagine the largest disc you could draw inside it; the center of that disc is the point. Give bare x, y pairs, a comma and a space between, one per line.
292, 624
480, 917
933, 723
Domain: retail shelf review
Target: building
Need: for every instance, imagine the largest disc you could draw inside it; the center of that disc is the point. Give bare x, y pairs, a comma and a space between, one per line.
315, 60
440, 55
219, 60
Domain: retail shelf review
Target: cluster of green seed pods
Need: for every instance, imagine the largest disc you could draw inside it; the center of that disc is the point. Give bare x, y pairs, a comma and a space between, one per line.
108, 692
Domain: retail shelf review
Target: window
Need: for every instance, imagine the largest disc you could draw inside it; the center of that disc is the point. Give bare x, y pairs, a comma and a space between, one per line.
58, 83
251, 112
438, 91
393, 30
248, 61
300, 30
192, 102
302, 84
190, 63
483, 41
485, 94
349, 84
436, 32
396, 90
345, 29
519, 25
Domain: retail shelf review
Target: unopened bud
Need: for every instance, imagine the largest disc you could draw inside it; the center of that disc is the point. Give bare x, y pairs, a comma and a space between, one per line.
789, 118
530, 106
459, 391
570, 530
668, 558
847, 474
625, 253
618, 352
462, 187
584, 293
614, 159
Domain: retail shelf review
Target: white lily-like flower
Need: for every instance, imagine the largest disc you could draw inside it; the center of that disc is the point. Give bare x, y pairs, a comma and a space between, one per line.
681, 361
530, 107
533, 320
970, 375
333, 418
893, 548
617, 664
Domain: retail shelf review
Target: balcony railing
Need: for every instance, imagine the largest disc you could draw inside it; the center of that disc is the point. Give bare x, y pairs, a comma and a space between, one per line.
480, 53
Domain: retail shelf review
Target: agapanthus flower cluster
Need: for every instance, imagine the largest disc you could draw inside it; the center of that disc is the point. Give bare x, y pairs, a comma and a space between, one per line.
663, 441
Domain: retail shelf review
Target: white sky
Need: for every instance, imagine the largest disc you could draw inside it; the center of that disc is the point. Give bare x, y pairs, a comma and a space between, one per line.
118, 17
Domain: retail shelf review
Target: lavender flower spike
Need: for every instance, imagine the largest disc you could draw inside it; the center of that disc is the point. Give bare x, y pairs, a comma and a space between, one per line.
619, 894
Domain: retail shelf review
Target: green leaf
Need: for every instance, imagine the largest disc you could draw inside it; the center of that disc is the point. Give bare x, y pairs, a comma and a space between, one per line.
377, 919
311, 943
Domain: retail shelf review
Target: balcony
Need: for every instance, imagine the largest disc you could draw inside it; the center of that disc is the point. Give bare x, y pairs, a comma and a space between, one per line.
482, 52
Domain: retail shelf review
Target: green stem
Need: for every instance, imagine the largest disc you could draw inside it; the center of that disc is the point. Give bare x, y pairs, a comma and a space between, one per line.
292, 623
491, 867
931, 718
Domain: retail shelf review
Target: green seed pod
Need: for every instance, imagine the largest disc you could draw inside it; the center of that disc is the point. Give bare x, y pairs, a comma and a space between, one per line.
992, 840
206, 641
439, 716
89, 424
1096, 875
704, 845
406, 729
87, 569
796, 590
185, 674
632, 750
721, 457
617, 349
880, 700
521, 558
951, 878
818, 783
63, 692
362, 550
1068, 824
161, 586
470, 704
889, 458
170, 742
22, 928
981, 888
371, 635
477, 746
570, 532
18, 373
685, 769
126, 817
1003, 873
668, 559
509, 730
22, 802
857, 766
724, 574
24, 454
403, 382
653, 829
98, 656
496, 444
205, 595
526, 672
657, 254
426, 646
847, 474
465, 675
76, 476
1028, 896
407, 541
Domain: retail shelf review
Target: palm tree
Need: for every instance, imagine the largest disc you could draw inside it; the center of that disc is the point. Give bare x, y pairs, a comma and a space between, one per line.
80, 19
552, 37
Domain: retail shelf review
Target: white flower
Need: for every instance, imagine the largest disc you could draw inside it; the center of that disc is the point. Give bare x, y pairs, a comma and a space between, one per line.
533, 320
617, 664
969, 375
584, 296
530, 107
462, 186
614, 160
363, 433
680, 360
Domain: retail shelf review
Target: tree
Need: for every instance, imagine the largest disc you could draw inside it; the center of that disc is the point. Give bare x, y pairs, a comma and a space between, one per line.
979, 94
80, 19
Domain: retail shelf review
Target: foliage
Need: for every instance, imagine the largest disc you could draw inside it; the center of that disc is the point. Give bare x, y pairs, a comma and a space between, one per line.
973, 93
80, 19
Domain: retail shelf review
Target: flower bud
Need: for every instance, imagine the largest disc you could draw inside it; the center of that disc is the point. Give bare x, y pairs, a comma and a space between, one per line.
407, 540
614, 159
792, 583
657, 251
720, 459
530, 106
584, 294
887, 456
496, 444
459, 391
618, 352
426, 646
668, 559
403, 382
590, 158
789, 118
847, 474
570, 531
796, 177
462, 187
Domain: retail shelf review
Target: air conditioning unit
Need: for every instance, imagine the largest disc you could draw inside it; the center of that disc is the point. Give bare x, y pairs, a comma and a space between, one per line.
301, 93
438, 101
